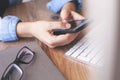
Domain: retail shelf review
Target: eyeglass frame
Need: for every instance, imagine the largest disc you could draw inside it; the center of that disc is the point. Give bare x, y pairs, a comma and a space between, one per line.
17, 62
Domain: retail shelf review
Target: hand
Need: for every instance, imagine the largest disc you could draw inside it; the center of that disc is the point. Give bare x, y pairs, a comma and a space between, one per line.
68, 13
42, 30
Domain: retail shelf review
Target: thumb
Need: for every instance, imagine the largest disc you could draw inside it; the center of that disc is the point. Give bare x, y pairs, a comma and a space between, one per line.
59, 25
65, 15
76, 16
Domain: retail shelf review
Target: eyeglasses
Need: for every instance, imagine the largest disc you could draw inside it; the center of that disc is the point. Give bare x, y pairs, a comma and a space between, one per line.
14, 71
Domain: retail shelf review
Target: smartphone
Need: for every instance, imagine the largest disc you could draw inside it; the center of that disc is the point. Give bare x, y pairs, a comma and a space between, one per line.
76, 26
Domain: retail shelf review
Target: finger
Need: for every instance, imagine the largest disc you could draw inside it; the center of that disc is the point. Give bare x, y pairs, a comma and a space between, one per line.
59, 25
65, 15
63, 39
76, 16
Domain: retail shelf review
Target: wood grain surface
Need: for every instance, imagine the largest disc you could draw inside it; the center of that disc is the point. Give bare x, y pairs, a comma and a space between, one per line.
36, 10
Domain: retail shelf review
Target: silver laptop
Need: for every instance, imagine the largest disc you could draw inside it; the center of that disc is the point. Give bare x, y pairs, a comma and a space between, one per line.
104, 14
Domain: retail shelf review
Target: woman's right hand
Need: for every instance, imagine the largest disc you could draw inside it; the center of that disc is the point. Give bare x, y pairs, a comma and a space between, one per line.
43, 31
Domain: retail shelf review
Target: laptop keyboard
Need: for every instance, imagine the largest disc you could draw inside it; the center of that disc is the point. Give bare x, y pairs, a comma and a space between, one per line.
87, 50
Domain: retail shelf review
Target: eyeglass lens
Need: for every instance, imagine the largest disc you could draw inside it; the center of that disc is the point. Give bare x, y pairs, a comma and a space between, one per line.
25, 55
13, 72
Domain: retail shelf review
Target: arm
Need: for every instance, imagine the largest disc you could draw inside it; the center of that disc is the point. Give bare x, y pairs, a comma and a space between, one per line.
12, 29
44, 33
8, 23
8, 28
56, 5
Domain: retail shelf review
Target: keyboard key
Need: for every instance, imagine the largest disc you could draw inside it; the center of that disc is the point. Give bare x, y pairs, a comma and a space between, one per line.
96, 58
88, 50
75, 47
80, 49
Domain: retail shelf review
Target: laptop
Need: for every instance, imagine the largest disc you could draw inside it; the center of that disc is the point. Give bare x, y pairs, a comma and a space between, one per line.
105, 16
88, 49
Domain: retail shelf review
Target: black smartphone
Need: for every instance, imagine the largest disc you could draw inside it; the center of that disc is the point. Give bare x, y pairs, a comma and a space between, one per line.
76, 26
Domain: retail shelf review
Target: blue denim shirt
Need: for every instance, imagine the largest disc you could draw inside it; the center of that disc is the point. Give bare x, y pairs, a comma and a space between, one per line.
8, 23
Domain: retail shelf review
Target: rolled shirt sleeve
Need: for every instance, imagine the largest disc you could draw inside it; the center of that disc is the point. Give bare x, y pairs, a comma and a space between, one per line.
8, 28
56, 5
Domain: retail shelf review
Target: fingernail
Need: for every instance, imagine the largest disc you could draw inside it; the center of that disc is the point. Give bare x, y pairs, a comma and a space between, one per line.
67, 26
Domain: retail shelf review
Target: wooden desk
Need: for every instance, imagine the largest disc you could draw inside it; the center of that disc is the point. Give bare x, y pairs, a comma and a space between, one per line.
33, 11
70, 68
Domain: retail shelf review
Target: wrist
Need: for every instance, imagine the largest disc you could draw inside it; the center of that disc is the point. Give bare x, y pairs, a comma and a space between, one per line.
23, 29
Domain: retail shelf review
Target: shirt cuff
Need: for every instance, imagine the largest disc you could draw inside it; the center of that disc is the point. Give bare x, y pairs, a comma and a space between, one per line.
56, 5
8, 28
